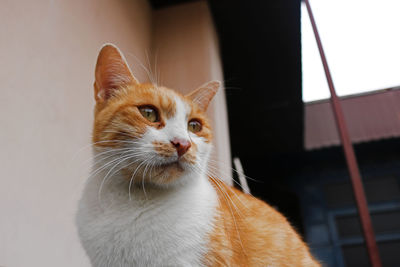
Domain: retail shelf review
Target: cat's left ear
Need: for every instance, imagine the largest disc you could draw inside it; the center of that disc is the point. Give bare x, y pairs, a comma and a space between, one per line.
112, 73
203, 95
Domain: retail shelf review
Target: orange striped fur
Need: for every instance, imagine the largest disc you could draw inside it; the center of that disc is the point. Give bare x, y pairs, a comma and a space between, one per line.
249, 232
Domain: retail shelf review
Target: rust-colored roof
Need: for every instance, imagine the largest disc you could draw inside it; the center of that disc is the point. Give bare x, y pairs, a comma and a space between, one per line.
369, 117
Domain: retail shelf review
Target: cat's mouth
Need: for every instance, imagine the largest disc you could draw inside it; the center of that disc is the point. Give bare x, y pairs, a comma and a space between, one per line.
174, 164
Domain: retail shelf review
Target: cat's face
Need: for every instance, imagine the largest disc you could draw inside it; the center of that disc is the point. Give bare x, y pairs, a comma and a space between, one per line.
149, 133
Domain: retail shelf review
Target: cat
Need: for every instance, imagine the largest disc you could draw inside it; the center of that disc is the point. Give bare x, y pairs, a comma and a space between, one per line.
149, 200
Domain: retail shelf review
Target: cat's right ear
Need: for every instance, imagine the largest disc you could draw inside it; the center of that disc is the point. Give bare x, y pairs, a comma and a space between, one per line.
112, 72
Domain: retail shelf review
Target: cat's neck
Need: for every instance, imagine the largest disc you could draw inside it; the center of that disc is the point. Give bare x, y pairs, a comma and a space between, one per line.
112, 185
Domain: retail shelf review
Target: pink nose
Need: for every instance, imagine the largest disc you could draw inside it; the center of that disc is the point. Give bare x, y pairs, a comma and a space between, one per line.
181, 145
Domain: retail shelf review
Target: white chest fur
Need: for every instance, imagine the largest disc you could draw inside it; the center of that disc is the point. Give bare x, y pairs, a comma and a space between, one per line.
166, 227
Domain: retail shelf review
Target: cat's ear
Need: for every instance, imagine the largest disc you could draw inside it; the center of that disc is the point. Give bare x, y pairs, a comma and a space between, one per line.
112, 72
203, 95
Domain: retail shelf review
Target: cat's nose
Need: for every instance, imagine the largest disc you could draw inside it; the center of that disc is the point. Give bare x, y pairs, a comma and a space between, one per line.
181, 145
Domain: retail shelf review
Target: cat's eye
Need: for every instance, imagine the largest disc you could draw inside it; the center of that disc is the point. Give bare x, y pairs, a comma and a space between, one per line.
149, 113
194, 126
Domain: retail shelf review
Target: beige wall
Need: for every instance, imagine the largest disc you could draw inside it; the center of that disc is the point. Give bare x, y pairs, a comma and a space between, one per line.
48, 51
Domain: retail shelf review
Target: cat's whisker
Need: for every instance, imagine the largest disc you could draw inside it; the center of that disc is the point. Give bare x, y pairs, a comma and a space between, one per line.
97, 161
158, 81
132, 178
108, 173
131, 181
214, 177
216, 180
147, 165
141, 65
107, 164
213, 161
91, 145
102, 167
212, 170
104, 178
107, 150
226, 196
145, 171
229, 204
233, 216
144, 190
230, 189
152, 168
129, 188
222, 174
197, 170
130, 156
153, 80
128, 164
106, 154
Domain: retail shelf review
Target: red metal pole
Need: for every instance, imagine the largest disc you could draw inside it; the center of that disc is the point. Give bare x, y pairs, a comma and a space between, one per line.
350, 156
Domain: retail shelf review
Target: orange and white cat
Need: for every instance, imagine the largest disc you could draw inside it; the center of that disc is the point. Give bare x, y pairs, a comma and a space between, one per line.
149, 200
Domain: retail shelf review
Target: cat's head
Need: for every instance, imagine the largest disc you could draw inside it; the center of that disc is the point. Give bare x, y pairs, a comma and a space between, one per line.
147, 132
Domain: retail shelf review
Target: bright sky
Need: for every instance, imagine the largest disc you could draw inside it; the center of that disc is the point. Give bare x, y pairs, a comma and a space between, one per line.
361, 39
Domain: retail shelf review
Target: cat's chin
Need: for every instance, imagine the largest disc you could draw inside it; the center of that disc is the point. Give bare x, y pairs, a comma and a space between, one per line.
175, 164
162, 174
169, 172
174, 173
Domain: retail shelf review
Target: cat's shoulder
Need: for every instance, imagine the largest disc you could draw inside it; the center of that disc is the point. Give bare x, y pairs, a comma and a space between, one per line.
246, 204
250, 232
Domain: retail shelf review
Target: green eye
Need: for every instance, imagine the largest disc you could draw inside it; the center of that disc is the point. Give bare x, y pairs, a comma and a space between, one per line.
194, 126
149, 113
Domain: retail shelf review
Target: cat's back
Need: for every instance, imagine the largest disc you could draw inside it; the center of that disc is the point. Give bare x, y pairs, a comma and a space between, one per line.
249, 232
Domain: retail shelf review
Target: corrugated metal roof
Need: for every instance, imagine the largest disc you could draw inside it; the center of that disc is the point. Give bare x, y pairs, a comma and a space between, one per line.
371, 116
